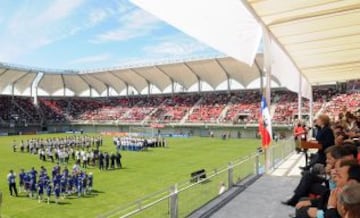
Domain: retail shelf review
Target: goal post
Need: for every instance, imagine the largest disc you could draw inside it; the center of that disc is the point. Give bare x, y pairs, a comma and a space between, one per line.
142, 131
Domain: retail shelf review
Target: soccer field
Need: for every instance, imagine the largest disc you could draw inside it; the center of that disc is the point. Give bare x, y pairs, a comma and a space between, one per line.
143, 173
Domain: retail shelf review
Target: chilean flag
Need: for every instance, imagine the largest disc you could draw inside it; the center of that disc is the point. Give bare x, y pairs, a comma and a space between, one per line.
265, 129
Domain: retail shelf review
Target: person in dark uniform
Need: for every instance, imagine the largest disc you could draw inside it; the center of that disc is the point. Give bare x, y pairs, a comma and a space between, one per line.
11, 177
101, 161
118, 160
21, 179
112, 159
107, 161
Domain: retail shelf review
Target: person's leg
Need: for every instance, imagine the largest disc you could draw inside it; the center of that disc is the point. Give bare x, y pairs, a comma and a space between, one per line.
302, 213
10, 189
302, 190
15, 189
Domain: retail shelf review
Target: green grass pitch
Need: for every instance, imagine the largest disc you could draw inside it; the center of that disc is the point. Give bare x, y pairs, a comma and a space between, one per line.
143, 173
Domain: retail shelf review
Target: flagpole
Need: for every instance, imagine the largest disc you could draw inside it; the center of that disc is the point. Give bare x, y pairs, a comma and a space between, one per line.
267, 71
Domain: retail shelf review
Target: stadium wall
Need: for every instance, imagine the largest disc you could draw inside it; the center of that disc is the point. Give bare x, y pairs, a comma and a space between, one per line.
191, 130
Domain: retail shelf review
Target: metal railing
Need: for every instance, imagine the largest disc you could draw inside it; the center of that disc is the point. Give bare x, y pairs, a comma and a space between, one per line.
183, 198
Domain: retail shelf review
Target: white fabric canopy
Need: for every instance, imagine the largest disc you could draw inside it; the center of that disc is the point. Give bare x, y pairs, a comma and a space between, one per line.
229, 27
225, 25
213, 71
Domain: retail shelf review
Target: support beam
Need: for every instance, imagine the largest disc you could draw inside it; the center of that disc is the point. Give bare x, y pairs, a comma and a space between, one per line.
12, 89
117, 77
228, 77
146, 80
127, 89
172, 87
195, 74
63, 82
300, 98
85, 83
311, 108
170, 77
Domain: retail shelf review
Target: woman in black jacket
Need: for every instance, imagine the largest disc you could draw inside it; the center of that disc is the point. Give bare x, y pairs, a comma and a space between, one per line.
325, 137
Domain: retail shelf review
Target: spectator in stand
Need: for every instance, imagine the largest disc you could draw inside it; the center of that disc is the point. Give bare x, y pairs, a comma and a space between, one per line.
325, 137
349, 201
298, 132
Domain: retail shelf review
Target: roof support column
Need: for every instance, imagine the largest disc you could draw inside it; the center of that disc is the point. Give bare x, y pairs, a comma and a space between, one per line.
311, 108
64, 86
13, 89
300, 98
127, 89
90, 89
199, 84
226, 74
107, 90
149, 87
172, 87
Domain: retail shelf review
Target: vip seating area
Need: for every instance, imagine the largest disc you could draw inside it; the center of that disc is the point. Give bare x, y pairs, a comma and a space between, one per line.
236, 107
325, 188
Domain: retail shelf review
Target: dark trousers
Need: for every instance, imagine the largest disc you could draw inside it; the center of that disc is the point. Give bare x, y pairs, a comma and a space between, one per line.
309, 183
12, 188
302, 212
101, 164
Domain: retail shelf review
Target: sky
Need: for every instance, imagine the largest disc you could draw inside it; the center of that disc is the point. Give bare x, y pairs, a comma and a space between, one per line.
89, 34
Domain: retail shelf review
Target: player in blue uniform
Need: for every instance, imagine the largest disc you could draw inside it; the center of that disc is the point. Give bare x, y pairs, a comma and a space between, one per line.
21, 180
48, 191
27, 183
79, 185
40, 190
90, 180
57, 193
63, 186
32, 185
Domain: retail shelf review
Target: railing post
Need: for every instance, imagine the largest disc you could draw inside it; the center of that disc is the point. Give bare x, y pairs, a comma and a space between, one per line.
257, 164
230, 175
174, 202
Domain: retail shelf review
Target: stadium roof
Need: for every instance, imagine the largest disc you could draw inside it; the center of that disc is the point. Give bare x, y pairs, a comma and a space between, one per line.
213, 71
319, 39
322, 37
305, 42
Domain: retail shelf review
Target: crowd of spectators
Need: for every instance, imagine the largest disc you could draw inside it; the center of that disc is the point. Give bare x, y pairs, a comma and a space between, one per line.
243, 108
238, 107
329, 186
210, 108
174, 108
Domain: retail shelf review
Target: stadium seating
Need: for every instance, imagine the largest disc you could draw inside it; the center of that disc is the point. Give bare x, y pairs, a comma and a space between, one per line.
238, 107
210, 107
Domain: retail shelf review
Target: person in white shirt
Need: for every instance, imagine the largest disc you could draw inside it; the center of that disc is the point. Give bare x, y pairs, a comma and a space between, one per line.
11, 178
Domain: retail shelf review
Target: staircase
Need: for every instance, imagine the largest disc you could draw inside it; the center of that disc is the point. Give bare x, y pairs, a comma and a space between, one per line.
225, 110
147, 118
22, 109
186, 116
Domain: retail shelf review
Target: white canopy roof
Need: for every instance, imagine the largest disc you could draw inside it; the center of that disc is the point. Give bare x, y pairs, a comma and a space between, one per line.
313, 41
322, 37
213, 71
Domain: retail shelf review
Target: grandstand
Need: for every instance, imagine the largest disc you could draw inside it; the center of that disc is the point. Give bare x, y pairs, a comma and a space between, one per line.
309, 66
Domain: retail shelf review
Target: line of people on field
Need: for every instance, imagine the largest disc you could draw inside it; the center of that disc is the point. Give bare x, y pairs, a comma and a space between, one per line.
132, 143
52, 143
41, 186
